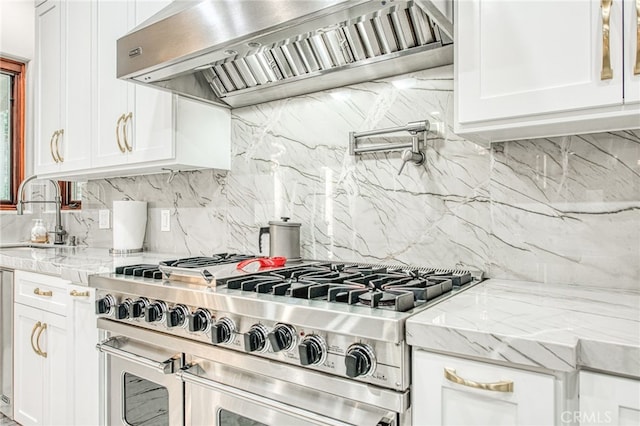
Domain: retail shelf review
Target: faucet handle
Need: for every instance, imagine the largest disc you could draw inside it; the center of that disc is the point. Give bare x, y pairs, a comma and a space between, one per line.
415, 157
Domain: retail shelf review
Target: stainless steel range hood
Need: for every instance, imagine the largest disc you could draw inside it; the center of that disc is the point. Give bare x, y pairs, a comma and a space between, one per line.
242, 52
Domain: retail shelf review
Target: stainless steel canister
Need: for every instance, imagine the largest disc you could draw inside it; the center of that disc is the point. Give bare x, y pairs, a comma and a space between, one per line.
284, 239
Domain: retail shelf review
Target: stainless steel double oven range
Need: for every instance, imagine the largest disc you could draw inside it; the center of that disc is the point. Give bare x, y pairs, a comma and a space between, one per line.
213, 341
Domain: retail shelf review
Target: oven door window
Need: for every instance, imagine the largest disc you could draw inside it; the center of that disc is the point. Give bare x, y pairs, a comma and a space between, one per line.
145, 403
228, 418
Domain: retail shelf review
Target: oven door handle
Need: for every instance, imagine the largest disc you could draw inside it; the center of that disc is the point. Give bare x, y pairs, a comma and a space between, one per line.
163, 367
252, 398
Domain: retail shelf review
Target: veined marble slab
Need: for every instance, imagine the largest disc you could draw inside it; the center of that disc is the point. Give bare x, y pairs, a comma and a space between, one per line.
557, 327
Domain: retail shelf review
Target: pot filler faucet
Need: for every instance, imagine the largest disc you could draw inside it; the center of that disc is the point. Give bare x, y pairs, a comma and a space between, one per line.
413, 151
59, 231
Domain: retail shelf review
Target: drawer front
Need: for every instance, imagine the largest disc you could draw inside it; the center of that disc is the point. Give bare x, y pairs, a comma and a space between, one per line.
41, 291
454, 391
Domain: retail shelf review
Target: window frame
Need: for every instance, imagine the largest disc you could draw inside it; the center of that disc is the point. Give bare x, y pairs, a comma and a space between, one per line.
18, 69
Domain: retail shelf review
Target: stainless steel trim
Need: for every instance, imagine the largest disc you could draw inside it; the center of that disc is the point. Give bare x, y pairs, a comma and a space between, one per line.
376, 396
6, 340
302, 415
165, 367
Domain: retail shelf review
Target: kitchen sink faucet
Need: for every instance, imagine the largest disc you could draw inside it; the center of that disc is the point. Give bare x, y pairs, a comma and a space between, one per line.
59, 231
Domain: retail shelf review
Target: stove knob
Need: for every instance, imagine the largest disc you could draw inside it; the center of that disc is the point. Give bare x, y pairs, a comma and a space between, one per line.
256, 339
282, 337
222, 331
104, 305
123, 310
199, 320
138, 307
312, 350
359, 360
177, 316
155, 311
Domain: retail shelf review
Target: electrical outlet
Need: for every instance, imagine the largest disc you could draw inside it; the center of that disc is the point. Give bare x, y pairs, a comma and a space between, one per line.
165, 220
103, 219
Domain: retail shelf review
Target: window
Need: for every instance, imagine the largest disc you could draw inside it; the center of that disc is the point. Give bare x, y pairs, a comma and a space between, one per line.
71, 194
12, 78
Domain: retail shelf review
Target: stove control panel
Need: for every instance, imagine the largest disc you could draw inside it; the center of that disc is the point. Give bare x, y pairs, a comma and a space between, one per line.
222, 331
345, 355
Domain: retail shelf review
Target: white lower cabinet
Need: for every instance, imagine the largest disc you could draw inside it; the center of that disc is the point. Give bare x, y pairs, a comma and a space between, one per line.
454, 391
40, 367
608, 399
55, 361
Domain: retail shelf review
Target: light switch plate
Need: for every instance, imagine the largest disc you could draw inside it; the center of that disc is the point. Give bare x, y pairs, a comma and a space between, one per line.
165, 220
103, 219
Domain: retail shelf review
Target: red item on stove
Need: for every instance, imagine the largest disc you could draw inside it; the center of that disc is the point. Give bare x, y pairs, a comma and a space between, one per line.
264, 262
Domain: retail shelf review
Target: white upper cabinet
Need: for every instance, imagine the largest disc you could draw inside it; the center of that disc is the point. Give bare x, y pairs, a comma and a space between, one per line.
117, 128
63, 86
539, 68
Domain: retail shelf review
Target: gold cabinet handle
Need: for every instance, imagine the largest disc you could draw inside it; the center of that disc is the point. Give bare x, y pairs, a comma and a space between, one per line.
505, 386
43, 328
120, 120
636, 69
607, 72
124, 131
76, 293
53, 155
39, 292
33, 332
60, 133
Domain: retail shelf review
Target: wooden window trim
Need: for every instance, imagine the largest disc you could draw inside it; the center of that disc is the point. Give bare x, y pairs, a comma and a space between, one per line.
18, 129
67, 202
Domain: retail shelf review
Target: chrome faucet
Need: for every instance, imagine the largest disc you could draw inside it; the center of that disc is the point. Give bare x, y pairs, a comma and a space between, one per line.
59, 231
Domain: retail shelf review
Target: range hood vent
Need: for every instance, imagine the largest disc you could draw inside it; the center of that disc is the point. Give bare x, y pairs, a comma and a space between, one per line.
241, 53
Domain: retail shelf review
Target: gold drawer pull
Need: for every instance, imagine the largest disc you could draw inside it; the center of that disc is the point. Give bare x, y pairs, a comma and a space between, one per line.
636, 69
505, 386
125, 131
60, 133
43, 328
54, 136
39, 292
33, 332
120, 120
76, 293
607, 72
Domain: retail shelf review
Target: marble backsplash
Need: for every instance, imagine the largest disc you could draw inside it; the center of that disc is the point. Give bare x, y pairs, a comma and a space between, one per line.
563, 209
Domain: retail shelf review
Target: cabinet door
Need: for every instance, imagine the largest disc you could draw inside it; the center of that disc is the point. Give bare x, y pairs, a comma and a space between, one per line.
151, 129
609, 400
83, 359
49, 90
631, 51
53, 342
28, 368
437, 400
114, 98
75, 143
523, 58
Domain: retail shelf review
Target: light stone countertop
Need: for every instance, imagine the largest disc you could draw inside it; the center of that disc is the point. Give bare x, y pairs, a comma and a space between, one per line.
556, 327
74, 263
